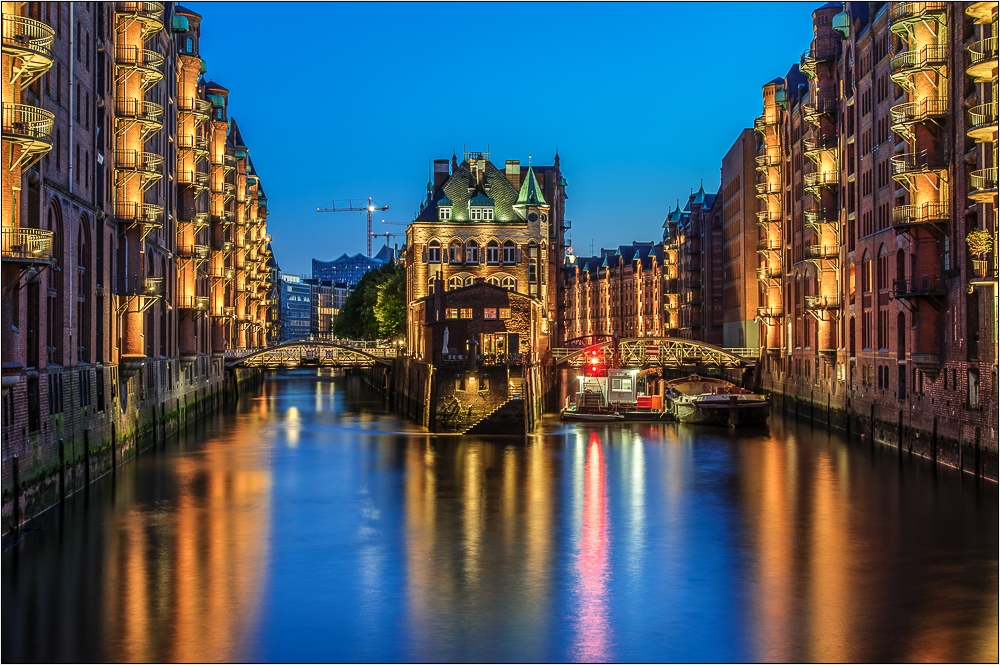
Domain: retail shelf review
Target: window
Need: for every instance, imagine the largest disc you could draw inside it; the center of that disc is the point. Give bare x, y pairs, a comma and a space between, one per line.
451, 313
481, 214
465, 313
189, 45
509, 283
434, 252
444, 213
455, 252
509, 252
621, 384
490, 313
505, 312
493, 253
472, 252
455, 282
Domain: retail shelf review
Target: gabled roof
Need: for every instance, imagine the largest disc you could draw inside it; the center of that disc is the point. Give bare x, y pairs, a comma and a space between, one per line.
462, 186
531, 193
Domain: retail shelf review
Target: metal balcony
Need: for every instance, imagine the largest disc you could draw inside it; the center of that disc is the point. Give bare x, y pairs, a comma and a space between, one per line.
761, 123
767, 245
150, 287
983, 185
29, 43
200, 109
983, 123
766, 188
932, 57
815, 148
769, 313
766, 161
148, 63
148, 115
925, 213
29, 127
822, 49
197, 144
983, 60
815, 111
766, 274
191, 178
146, 165
819, 218
198, 303
199, 253
191, 216
223, 220
919, 287
909, 164
817, 303
147, 215
903, 14
822, 252
149, 14
912, 113
812, 182
31, 246
766, 217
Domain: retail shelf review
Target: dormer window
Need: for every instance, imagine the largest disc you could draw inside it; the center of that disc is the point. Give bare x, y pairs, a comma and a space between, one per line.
444, 213
481, 214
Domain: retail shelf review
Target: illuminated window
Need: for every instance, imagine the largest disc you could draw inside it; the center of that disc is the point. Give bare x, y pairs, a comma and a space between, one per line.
505, 312
472, 252
509, 252
493, 253
509, 283
465, 313
455, 282
444, 213
434, 252
490, 313
451, 313
455, 252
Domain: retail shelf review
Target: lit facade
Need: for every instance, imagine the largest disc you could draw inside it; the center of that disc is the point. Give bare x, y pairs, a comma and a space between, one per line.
505, 227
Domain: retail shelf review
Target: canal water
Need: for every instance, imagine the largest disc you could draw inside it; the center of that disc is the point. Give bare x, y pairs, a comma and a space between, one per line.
308, 524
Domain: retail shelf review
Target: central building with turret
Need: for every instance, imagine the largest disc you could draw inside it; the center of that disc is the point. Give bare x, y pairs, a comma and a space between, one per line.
500, 227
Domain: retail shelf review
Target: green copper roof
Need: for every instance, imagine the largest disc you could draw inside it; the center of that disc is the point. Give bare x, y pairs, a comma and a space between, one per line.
444, 201
179, 23
531, 193
204, 67
480, 200
217, 101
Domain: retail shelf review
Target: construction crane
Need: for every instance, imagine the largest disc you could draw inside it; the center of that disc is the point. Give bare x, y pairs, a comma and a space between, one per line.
368, 207
389, 234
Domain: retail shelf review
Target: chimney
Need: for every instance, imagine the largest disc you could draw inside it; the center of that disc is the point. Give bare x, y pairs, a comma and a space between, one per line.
514, 172
440, 173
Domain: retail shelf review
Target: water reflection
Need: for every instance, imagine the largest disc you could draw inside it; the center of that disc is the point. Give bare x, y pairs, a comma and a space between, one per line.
592, 639
312, 526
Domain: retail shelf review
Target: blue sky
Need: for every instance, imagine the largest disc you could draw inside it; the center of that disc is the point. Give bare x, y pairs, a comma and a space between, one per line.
342, 100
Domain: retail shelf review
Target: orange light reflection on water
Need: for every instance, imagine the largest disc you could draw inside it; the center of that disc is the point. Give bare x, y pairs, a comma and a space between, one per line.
592, 641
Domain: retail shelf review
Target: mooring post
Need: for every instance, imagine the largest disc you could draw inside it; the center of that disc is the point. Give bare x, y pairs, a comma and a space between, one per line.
62, 470
15, 470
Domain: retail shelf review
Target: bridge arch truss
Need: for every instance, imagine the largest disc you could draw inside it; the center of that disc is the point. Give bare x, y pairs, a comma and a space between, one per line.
671, 352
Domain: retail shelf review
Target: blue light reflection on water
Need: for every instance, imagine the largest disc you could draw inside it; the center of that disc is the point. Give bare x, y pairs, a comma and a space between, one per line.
312, 526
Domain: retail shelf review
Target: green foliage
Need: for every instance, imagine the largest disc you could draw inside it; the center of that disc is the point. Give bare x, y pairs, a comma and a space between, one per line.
376, 309
980, 242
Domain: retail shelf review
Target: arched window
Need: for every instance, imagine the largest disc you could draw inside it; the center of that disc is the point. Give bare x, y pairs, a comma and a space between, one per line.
509, 283
455, 252
509, 252
189, 45
83, 293
866, 273
430, 285
434, 252
883, 268
472, 251
470, 280
493, 253
57, 296
455, 282
900, 266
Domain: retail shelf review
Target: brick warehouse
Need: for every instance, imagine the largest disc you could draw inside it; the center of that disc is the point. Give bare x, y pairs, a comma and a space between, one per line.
135, 252
873, 160
882, 144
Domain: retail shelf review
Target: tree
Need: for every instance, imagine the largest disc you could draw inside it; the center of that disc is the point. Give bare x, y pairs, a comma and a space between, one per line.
376, 307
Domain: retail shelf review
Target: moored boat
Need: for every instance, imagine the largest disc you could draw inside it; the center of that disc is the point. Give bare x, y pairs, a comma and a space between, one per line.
571, 413
706, 400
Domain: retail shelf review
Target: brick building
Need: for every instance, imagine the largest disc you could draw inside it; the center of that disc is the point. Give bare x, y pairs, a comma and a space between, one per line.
872, 175
506, 227
135, 252
740, 244
619, 291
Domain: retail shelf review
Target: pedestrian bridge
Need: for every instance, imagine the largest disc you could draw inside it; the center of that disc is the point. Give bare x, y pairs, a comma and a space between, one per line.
671, 352
307, 351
